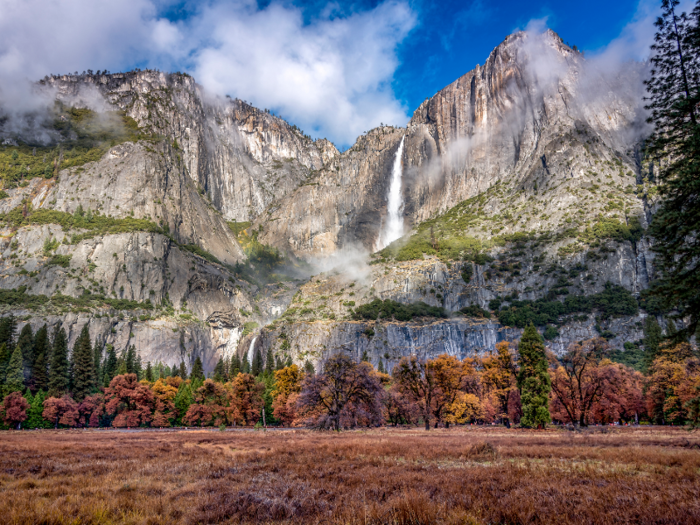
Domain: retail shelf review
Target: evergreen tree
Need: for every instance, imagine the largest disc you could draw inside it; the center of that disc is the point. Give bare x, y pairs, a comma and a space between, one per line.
83, 365
183, 370
365, 357
42, 351
674, 98
14, 380
8, 325
130, 360
289, 361
279, 365
138, 368
533, 380
59, 371
245, 365
197, 370
182, 401
380, 366
35, 410
309, 367
269, 362
111, 366
257, 366
652, 340
220, 371
235, 367
149, 372
97, 361
5, 355
25, 341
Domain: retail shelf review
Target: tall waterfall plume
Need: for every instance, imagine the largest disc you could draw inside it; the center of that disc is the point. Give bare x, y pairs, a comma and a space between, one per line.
393, 228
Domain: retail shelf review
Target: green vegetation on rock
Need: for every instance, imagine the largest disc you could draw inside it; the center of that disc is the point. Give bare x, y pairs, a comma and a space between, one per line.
387, 309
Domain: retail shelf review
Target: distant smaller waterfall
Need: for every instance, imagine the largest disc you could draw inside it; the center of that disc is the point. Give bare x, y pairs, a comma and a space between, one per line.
251, 350
393, 229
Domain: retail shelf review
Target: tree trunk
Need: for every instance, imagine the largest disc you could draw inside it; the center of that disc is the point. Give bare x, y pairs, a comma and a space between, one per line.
427, 423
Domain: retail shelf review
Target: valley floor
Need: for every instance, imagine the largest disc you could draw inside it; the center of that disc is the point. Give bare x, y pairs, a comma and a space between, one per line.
461, 475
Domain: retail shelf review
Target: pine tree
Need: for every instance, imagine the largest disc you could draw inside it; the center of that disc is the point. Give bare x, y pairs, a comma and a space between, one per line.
380, 366
533, 380
257, 367
289, 361
269, 362
365, 357
149, 372
183, 370
138, 367
111, 366
235, 367
8, 325
219, 371
25, 341
674, 95
59, 371
83, 365
182, 401
35, 411
14, 380
97, 361
5, 355
197, 370
42, 351
245, 365
130, 360
279, 365
652, 340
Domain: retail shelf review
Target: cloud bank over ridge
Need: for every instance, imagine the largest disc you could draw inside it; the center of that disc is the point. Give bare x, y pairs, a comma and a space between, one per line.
331, 75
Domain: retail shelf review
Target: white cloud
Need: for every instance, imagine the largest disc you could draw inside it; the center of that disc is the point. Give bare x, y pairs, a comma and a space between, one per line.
332, 76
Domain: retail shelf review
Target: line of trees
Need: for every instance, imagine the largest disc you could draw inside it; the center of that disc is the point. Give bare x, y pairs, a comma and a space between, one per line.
515, 384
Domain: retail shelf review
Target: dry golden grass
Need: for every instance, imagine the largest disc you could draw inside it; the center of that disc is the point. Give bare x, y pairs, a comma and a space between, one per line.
463, 475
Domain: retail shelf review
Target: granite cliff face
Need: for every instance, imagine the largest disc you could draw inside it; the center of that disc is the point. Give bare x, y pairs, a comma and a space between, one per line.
537, 142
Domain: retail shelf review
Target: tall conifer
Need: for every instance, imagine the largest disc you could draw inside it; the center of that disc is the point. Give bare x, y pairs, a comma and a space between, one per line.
257, 366
674, 101
14, 380
197, 370
42, 352
110, 366
59, 370
83, 365
25, 341
533, 380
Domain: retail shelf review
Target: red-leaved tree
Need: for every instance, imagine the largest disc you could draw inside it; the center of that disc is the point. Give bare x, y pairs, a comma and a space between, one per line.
210, 405
130, 401
61, 411
14, 409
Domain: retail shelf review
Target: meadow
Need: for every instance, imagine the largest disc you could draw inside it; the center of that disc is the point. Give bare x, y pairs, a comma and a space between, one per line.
402, 476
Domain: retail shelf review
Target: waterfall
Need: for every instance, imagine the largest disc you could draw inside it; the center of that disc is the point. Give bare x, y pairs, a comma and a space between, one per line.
393, 229
251, 350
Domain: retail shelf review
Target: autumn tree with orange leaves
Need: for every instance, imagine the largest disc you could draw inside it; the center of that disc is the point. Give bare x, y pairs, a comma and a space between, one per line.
673, 384
246, 401
286, 393
499, 377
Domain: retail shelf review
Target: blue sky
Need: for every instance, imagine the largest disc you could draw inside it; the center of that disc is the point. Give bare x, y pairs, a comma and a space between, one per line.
336, 69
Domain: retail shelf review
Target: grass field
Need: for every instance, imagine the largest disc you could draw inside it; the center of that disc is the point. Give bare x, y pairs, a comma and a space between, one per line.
463, 475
